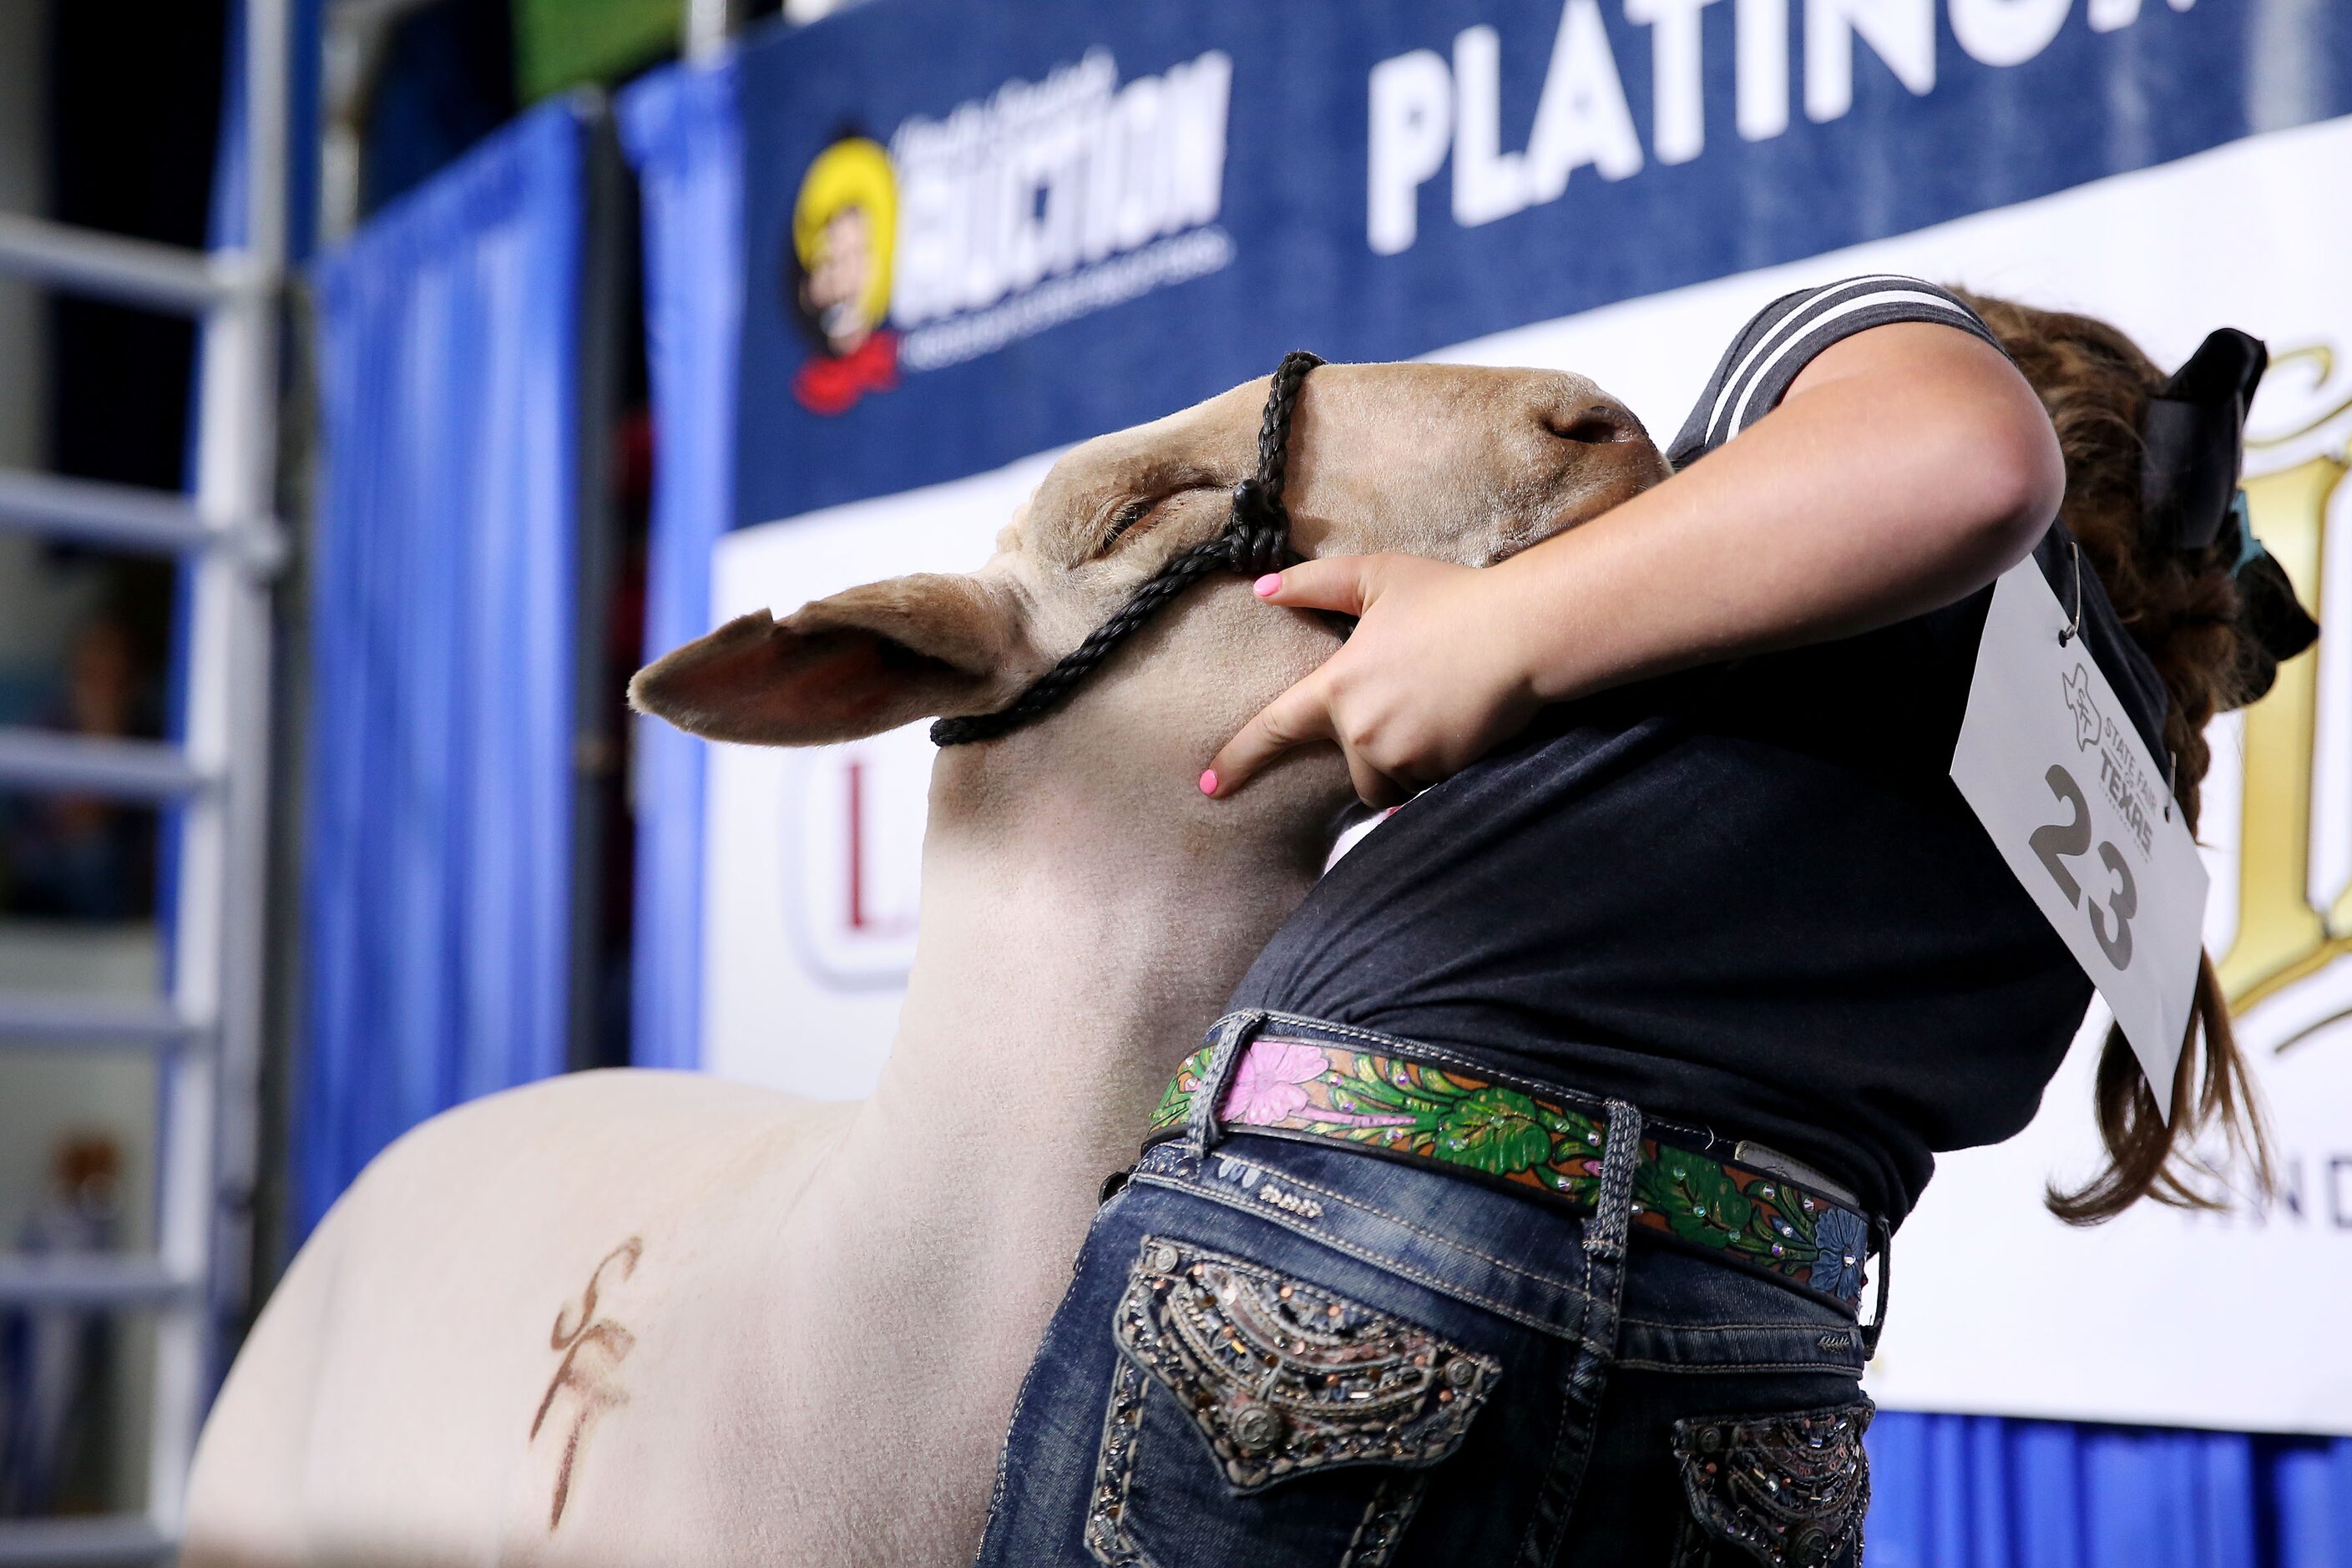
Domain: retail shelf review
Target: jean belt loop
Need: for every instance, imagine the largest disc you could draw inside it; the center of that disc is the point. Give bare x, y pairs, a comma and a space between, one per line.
1233, 1032
1882, 1240
1613, 1212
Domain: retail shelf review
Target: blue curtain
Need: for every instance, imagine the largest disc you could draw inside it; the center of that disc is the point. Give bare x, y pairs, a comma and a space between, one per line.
438, 876
682, 130
1983, 1491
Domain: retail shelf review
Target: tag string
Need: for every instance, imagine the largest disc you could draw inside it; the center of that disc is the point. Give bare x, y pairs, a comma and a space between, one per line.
2074, 628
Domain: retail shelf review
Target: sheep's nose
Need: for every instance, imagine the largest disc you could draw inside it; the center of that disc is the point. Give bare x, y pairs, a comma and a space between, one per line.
1591, 423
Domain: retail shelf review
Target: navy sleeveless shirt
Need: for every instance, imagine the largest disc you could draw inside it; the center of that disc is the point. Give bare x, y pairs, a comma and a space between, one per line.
1746, 897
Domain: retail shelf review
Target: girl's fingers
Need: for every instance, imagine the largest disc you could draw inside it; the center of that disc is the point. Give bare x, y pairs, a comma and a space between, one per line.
1300, 715
1344, 583
1373, 787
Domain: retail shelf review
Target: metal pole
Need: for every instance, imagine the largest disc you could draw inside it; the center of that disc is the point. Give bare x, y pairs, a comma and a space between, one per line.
97, 765
709, 24
117, 515
108, 266
207, 1113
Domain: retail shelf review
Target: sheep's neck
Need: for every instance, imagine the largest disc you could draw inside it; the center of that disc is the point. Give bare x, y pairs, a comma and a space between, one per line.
1065, 969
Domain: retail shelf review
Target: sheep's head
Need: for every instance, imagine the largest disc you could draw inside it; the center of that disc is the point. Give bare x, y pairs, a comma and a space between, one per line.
1464, 464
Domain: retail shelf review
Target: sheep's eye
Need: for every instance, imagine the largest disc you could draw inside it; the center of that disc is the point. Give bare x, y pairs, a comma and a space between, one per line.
1141, 510
1135, 512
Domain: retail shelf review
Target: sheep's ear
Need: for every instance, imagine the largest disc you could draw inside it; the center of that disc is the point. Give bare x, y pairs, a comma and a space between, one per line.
859, 663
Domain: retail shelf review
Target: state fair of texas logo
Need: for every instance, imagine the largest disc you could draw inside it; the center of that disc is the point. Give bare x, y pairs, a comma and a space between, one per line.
844, 229
2077, 685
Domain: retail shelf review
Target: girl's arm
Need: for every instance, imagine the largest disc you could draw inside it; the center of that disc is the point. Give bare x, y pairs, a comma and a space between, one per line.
1907, 466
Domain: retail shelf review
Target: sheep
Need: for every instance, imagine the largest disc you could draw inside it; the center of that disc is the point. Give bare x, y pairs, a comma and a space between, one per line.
637, 1317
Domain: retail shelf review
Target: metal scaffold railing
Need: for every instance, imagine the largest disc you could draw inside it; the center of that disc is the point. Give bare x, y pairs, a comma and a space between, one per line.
205, 1029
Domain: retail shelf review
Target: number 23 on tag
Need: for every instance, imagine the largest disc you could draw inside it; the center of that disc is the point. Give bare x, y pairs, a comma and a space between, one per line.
2050, 762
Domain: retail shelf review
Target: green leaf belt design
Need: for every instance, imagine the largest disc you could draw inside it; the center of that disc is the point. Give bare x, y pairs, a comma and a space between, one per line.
1408, 1107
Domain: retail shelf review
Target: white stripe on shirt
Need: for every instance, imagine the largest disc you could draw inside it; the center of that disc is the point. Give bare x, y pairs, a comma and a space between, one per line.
1878, 296
1791, 321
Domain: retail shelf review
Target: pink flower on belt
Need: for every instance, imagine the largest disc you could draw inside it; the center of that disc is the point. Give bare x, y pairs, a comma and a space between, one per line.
1265, 1087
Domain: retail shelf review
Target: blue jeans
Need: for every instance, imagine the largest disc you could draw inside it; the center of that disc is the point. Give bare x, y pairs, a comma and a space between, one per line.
1278, 1354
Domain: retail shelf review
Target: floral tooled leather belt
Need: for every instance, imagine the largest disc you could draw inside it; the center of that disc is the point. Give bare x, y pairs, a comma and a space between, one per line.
1416, 1110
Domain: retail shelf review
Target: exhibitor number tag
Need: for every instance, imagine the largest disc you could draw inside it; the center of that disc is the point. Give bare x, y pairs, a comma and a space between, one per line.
2054, 768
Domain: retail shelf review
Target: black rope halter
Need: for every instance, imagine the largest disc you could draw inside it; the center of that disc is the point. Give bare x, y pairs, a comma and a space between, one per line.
1255, 541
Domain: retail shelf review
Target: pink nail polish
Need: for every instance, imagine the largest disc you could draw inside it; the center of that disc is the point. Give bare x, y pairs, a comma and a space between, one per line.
1209, 782
1268, 586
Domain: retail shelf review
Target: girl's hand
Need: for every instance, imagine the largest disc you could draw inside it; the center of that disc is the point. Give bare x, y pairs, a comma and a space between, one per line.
1431, 681
1907, 465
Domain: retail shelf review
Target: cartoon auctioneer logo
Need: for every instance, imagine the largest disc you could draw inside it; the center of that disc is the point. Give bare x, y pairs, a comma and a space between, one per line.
1036, 204
844, 225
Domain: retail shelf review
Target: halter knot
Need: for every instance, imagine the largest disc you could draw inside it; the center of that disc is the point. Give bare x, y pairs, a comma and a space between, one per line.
1259, 535
1255, 541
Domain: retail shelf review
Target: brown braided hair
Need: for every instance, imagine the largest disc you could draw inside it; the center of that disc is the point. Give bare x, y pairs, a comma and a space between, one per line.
2181, 608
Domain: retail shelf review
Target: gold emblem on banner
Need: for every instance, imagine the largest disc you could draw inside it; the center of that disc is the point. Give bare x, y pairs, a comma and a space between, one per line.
2284, 932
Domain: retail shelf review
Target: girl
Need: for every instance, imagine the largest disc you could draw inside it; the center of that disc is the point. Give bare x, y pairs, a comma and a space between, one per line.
1518, 1213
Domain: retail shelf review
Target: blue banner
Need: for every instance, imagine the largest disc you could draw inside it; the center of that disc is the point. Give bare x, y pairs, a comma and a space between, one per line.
1047, 221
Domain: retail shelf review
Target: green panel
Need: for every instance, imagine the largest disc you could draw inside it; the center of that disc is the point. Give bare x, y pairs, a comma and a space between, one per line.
563, 43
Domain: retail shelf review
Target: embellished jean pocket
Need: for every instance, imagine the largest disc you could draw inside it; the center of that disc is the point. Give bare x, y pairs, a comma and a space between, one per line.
1257, 1421
1787, 1491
